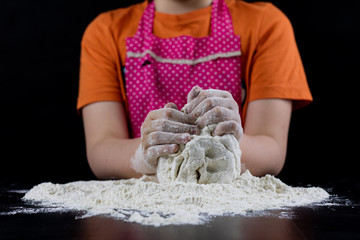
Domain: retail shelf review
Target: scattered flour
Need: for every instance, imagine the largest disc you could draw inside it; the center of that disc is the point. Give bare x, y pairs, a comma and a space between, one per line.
205, 159
145, 201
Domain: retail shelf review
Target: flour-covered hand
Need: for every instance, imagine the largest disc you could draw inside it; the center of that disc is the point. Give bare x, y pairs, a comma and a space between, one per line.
207, 107
162, 132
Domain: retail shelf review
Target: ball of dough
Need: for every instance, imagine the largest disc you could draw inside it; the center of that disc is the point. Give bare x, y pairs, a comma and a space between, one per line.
205, 159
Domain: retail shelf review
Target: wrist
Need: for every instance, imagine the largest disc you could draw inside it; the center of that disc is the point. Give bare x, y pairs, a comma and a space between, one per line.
138, 163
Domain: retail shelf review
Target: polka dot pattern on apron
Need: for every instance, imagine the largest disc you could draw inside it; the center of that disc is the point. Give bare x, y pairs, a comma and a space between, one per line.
159, 70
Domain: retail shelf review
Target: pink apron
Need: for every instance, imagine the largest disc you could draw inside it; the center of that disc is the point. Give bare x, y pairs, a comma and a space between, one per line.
160, 70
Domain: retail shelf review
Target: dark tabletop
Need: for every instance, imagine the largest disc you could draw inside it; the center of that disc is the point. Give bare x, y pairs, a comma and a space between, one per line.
339, 219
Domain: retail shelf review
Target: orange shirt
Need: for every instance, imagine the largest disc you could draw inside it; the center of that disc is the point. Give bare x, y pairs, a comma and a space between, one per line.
271, 64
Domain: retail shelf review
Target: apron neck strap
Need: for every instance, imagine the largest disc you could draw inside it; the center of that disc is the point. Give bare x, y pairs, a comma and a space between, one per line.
221, 23
147, 21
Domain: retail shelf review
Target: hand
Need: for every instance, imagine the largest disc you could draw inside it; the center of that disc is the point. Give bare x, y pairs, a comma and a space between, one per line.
207, 107
162, 132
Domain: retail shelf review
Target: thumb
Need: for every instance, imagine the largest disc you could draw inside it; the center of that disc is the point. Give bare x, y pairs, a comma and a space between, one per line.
193, 93
171, 105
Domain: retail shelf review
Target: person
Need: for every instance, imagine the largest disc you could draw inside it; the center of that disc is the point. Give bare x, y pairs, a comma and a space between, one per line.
234, 64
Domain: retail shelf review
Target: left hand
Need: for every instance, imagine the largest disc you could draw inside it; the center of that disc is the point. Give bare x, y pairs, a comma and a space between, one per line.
215, 107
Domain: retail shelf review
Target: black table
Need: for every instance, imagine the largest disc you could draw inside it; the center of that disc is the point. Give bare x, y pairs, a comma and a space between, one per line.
340, 220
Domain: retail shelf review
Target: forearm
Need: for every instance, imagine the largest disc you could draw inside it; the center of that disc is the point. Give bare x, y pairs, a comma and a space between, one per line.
110, 158
262, 155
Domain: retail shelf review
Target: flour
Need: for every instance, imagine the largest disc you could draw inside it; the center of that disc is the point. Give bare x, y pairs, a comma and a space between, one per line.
145, 201
205, 159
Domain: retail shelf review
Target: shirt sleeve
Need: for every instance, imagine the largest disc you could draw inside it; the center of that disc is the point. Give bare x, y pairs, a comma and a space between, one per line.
99, 73
277, 70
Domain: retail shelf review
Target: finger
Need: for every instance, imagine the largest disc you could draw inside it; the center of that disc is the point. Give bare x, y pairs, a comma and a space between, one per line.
217, 115
160, 138
171, 105
164, 125
206, 94
176, 116
153, 153
229, 127
168, 113
154, 114
210, 103
193, 93
146, 127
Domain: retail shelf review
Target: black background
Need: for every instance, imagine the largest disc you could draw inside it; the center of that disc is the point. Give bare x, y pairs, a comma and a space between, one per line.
42, 136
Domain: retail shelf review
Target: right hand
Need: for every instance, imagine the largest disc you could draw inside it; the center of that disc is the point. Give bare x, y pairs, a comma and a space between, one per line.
218, 107
162, 132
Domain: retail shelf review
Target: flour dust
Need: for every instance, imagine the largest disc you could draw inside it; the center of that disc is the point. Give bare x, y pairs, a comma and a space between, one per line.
147, 202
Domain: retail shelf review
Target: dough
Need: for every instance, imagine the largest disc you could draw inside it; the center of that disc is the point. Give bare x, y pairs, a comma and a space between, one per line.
205, 159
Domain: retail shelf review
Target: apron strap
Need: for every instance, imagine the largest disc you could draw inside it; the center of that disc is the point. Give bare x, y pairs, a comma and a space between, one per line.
147, 21
221, 24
